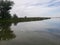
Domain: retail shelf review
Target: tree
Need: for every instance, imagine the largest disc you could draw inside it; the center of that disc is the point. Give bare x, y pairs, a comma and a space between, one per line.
15, 16
5, 6
25, 16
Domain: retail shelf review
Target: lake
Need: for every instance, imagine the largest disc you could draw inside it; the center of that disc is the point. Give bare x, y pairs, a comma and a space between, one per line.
44, 32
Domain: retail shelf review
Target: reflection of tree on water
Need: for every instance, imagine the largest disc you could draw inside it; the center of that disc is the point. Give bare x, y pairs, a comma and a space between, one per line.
15, 23
5, 31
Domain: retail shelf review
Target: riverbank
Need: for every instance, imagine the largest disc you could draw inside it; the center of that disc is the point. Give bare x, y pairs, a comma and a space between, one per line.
24, 19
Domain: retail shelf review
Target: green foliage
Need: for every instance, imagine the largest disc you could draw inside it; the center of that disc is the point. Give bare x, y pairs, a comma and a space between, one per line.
25, 16
15, 16
5, 6
24, 19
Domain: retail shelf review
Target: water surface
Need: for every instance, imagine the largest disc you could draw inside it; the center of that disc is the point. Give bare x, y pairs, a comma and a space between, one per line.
46, 32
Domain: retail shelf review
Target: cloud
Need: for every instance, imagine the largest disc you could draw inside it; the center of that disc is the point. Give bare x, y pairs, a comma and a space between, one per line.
36, 7
56, 4
50, 3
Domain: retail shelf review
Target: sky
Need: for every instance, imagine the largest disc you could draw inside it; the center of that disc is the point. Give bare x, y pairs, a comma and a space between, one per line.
36, 8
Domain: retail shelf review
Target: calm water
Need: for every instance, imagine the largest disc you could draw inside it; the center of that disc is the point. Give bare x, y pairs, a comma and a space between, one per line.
46, 32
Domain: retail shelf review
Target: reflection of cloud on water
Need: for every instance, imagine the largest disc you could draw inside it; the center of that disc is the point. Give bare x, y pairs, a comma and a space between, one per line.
37, 33
54, 32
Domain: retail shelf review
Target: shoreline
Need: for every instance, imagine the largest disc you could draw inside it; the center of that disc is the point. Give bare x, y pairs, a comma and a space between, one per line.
24, 19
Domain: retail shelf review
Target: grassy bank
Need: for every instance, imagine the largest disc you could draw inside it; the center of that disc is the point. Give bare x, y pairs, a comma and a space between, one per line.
24, 19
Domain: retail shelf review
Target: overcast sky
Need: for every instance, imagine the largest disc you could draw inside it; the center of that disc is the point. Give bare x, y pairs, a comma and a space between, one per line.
36, 8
